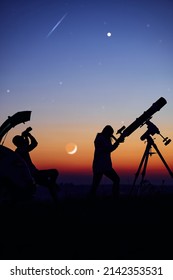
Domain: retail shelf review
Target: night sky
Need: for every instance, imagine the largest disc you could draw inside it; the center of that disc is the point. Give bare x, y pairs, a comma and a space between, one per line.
80, 65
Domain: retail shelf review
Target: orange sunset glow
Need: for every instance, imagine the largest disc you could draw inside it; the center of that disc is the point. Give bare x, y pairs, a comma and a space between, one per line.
51, 152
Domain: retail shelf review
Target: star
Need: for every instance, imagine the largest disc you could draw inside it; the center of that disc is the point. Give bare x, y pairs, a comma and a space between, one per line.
109, 34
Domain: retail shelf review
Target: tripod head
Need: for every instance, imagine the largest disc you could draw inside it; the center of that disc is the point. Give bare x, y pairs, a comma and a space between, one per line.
153, 129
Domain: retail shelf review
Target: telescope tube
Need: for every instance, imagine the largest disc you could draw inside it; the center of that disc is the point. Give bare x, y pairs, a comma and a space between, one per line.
156, 106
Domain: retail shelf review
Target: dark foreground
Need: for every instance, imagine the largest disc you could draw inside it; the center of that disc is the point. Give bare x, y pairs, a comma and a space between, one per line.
77, 228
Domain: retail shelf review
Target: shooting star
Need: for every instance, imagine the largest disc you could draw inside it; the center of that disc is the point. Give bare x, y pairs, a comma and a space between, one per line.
58, 23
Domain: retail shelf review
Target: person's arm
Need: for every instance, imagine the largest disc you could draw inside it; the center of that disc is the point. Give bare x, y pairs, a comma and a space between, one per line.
32, 142
117, 142
115, 145
105, 145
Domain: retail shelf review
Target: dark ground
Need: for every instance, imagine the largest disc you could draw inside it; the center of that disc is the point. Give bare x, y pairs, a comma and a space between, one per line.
136, 227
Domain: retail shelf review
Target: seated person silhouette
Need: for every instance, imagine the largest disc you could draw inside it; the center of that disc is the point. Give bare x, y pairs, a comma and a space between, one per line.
25, 143
102, 164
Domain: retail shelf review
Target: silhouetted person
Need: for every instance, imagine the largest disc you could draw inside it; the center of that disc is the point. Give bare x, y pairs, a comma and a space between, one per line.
102, 164
25, 143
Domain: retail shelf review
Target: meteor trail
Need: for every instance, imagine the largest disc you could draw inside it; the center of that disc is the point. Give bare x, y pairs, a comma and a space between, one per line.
58, 23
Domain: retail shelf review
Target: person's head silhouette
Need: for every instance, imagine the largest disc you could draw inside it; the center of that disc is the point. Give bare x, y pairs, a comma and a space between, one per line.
107, 131
18, 141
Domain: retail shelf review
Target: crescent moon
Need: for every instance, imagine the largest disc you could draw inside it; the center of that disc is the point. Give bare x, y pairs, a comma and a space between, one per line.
71, 148
73, 151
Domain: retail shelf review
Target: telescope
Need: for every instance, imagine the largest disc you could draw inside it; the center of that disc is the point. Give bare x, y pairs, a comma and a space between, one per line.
143, 119
152, 129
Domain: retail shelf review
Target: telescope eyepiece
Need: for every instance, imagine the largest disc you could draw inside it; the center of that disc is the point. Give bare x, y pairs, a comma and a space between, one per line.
119, 131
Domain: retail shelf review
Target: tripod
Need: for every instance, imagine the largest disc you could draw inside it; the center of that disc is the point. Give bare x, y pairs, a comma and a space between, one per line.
144, 161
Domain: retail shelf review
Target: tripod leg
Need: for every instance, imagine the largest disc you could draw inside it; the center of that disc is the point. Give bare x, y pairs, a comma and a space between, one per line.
140, 166
144, 169
163, 160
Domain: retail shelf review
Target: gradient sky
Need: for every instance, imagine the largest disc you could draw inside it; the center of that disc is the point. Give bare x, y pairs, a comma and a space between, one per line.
76, 79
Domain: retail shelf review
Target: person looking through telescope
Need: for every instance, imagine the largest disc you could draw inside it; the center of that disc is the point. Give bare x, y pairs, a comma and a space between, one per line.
25, 143
102, 164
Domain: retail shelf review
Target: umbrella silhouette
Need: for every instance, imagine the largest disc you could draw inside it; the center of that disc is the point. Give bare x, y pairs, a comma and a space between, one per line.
17, 118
